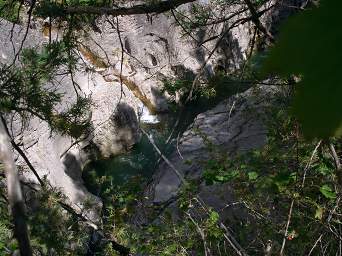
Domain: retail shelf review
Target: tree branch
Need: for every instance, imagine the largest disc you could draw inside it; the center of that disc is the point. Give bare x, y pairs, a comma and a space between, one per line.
15, 196
21, 153
338, 165
256, 20
156, 8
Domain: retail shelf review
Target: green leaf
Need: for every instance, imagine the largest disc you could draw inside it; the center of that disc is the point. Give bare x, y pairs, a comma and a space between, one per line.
327, 191
252, 175
221, 178
309, 47
214, 217
324, 169
283, 180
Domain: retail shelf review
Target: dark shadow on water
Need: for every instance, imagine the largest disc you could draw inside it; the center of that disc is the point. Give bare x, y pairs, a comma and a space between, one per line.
139, 161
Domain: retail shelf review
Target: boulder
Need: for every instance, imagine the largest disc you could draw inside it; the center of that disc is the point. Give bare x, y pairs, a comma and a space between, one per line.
234, 126
123, 123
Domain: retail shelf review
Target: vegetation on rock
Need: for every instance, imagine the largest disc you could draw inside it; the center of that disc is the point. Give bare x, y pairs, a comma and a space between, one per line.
287, 193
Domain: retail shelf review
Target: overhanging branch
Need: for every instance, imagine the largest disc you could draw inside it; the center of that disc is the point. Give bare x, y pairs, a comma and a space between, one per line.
256, 20
159, 7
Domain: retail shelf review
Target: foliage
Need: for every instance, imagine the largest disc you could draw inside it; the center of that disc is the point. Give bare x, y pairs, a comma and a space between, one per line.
200, 13
29, 89
172, 237
309, 47
10, 10
52, 229
181, 86
74, 121
265, 182
21, 88
7, 243
209, 92
166, 236
118, 203
217, 171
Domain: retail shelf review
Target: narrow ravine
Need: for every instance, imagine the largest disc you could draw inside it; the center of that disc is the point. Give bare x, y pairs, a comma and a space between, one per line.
142, 160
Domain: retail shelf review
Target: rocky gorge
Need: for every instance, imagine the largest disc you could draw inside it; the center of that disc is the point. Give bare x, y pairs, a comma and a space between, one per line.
121, 70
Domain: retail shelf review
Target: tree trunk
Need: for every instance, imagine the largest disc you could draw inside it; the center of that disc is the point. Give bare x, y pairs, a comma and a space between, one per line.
15, 196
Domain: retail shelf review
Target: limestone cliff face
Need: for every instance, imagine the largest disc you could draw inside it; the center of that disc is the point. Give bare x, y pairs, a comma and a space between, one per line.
60, 158
154, 49
157, 48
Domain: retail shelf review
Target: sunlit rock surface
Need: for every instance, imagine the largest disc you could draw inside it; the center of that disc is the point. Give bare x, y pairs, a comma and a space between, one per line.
60, 158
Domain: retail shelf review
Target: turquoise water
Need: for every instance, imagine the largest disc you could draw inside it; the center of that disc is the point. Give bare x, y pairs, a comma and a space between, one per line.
142, 160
